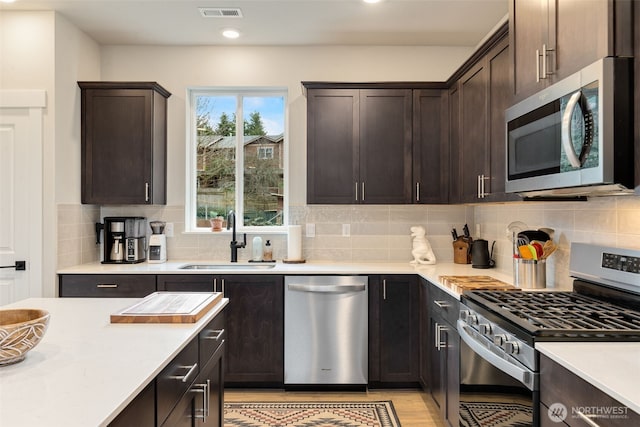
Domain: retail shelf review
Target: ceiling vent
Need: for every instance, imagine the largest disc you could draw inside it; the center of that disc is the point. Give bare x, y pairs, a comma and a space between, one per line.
220, 12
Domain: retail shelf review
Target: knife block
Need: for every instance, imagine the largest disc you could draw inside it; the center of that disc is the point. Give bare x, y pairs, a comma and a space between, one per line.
461, 252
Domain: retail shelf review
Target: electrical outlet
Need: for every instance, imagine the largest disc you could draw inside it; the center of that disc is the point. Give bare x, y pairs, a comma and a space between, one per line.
346, 230
311, 230
168, 229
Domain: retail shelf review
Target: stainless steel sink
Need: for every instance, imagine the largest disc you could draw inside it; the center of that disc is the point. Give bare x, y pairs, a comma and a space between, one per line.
227, 266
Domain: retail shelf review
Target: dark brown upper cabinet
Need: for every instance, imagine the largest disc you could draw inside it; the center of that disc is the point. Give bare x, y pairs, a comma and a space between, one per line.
430, 150
362, 144
124, 142
478, 99
552, 39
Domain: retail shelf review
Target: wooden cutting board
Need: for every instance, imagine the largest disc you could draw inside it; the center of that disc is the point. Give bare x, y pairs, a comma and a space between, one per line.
460, 284
168, 307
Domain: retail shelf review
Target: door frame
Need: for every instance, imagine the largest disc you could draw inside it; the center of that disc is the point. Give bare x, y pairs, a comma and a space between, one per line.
35, 101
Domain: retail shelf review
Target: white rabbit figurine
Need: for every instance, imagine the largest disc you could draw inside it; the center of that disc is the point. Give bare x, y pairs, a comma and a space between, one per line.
422, 252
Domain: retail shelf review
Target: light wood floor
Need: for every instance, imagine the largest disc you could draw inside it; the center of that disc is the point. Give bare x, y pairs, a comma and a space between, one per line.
413, 407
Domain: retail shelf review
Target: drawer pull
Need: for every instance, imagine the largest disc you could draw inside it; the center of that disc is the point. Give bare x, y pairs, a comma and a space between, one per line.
442, 304
218, 335
106, 285
205, 389
185, 378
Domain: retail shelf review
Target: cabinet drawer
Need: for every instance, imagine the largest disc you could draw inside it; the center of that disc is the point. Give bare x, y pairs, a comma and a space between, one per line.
107, 285
445, 304
212, 337
559, 385
176, 379
185, 283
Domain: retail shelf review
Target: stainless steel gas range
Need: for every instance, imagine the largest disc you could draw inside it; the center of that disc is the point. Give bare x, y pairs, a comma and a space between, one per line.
499, 365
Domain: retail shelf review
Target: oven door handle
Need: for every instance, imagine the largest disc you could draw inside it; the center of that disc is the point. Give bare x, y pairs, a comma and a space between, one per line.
523, 375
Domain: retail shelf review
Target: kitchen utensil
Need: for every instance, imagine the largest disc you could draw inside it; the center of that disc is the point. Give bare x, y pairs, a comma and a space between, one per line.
465, 230
534, 235
549, 231
525, 252
514, 228
548, 248
454, 234
480, 256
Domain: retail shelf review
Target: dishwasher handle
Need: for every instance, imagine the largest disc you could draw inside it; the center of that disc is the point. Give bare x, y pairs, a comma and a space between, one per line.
326, 289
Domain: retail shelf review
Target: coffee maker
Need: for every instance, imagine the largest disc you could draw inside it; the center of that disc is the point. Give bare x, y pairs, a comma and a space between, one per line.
125, 239
157, 242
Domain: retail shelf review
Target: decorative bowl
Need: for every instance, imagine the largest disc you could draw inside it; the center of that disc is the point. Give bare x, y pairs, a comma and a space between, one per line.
20, 331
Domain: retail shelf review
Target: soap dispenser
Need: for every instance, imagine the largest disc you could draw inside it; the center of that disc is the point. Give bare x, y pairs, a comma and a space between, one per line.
257, 248
268, 251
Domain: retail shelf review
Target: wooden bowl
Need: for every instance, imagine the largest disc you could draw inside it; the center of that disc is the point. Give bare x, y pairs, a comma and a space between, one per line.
20, 331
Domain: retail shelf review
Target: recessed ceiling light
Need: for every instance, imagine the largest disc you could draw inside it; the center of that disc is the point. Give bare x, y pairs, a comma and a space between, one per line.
230, 33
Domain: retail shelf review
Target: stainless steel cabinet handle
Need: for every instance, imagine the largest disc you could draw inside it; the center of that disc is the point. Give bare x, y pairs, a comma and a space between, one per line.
417, 191
146, 191
106, 285
222, 287
218, 332
384, 289
363, 191
204, 389
184, 378
545, 63
215, 285
356, 191
442, 304
478, 184
537, 65
439, 342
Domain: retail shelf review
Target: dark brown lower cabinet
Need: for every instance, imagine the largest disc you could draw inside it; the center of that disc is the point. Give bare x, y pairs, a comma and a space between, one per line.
393, 331
189, 391
106, 285
585, 404
185, 282
255, 320
443, 348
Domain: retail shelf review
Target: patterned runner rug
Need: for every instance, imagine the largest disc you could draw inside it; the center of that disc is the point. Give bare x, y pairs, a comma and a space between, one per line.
307, 414
495, 414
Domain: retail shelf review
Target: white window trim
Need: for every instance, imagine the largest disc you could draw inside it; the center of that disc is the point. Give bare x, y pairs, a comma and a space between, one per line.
191, 159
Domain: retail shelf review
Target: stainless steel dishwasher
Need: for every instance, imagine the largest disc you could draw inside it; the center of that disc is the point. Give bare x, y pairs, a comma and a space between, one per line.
325, 331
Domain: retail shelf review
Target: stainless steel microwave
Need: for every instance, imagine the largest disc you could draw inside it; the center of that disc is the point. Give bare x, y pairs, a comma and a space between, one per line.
575, 137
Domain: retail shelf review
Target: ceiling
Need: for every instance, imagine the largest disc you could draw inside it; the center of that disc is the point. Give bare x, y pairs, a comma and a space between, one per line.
280, 22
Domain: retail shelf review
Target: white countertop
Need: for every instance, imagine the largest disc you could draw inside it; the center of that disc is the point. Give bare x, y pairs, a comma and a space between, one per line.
86, 369
429, 272
613, 367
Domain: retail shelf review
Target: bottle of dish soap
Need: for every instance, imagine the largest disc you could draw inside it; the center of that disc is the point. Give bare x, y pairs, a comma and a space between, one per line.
268, 251
257, 249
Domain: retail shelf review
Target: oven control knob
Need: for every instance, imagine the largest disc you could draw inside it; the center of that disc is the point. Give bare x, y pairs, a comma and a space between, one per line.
511, 347
484, 328
499, 339
464, 314
472, 319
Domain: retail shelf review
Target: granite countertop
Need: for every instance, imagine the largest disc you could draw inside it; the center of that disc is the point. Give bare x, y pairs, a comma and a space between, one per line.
86, 370
613, 367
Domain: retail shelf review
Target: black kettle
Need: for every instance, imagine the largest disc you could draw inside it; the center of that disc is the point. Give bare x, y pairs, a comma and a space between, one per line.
480, 256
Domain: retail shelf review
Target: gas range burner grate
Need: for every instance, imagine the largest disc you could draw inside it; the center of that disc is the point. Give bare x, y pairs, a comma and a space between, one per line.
562, 313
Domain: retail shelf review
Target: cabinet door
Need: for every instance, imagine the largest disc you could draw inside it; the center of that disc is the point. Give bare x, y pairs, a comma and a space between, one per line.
255, 323
398, 329
528, 31
455, 150
424, 341
385, 146
185, 283
210, 386
141, 412
107, 285
451, 354
474, 147
437, 364
430, 147
332, 145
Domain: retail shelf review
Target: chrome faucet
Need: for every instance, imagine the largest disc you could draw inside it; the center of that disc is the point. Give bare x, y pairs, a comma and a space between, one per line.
234, 245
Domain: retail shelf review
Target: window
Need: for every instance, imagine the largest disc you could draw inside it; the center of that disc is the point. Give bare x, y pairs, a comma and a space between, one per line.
236, 157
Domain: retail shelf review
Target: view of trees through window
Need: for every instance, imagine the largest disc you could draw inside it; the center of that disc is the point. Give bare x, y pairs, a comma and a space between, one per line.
259, 135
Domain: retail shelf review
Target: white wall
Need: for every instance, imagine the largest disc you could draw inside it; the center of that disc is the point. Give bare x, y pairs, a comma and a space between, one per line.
177, 68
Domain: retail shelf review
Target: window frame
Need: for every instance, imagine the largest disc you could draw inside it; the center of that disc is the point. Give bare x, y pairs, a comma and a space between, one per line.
191, 163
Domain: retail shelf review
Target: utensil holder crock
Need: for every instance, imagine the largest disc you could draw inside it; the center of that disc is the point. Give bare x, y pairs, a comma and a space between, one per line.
529, 273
